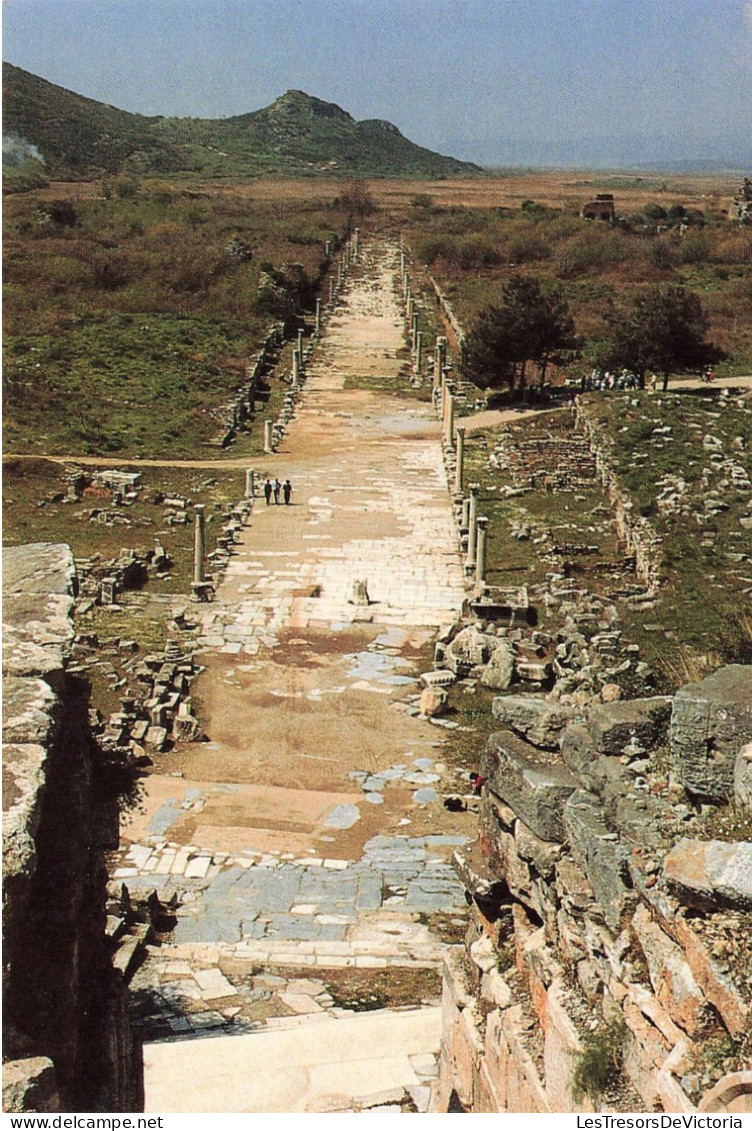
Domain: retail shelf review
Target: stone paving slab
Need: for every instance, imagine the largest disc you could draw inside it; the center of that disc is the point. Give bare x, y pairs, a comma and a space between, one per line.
294, 1068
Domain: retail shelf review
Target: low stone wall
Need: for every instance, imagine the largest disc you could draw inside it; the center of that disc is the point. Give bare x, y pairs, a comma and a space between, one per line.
67, 1039
448, 312
638, 535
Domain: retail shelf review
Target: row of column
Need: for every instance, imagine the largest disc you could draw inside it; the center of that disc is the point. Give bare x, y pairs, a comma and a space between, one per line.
350, 254
453, 438
411, 317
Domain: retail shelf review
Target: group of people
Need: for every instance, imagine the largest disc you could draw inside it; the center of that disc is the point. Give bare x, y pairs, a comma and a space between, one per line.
598, 380
273, 488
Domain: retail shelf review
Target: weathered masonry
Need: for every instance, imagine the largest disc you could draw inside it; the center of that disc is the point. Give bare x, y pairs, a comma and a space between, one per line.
67, 1040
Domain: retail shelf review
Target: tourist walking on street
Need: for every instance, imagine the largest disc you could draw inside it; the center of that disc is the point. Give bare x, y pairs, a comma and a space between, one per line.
287, 491
268, 491
276, 488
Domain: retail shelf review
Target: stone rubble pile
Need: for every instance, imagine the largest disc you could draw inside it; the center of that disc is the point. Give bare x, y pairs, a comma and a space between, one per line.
597, 838
159, 712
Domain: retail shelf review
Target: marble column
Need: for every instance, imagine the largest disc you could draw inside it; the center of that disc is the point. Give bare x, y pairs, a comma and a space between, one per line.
199, 543
318, 315
418, 352
250, 483
472, 530
268, 426
449, 422
460, 464
439, 360
480, 556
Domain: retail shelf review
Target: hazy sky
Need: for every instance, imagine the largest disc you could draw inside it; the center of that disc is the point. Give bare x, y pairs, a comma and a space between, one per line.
494, 81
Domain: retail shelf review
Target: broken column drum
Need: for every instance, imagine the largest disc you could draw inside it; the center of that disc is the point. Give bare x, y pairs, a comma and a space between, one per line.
199, 544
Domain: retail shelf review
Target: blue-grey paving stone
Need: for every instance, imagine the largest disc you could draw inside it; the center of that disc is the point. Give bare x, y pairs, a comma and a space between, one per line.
382, 842
394, 773
226, 879
358, 775
423, 763
342, 817
284, 895
192, 794
422, 901
221, 928
374, 781
375, 798
369, 892
425, 796
252, 930
186, 930
164, 818
421, 777
333, 932
146, 883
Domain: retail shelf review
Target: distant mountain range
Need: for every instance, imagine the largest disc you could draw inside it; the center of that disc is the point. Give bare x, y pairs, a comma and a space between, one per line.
74, 135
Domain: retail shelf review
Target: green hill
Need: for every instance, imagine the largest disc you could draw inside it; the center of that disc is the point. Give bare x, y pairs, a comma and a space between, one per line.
296, 134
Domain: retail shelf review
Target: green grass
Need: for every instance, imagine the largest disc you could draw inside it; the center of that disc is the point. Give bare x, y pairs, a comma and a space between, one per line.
140, 385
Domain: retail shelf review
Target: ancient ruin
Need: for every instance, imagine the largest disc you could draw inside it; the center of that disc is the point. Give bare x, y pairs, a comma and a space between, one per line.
358, 761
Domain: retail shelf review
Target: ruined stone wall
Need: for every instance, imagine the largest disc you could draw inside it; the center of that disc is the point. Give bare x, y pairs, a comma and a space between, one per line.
608, 963
638, 535
448, 312
67, 1040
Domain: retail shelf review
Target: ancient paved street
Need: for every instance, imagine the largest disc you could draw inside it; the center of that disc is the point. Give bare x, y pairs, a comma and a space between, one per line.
308, 830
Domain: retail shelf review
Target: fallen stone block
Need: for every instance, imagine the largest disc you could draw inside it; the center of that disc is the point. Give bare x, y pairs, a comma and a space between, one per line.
577, 747
540, 722
475, 873
433, 702
710, 721
499, 671
598, 853
535, 789
612, 726
532, 671
710, 874
437, 679
470, 648
542, 854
